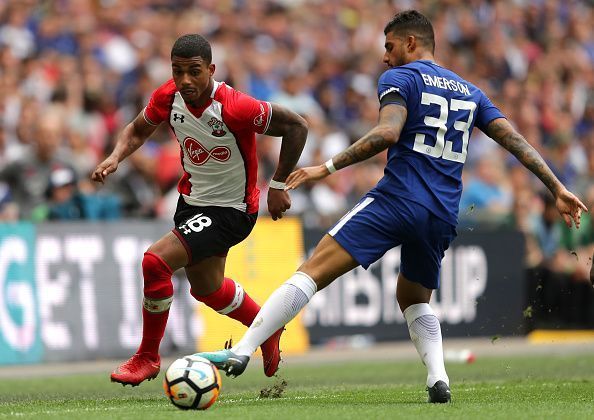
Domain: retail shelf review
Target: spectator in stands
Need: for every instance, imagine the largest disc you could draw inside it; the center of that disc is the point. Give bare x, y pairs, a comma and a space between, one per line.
66, 201
486, 196
27, 176
296, 94
8, 210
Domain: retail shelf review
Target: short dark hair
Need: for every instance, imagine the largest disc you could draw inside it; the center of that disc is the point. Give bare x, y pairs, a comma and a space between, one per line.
411, 22
192, 45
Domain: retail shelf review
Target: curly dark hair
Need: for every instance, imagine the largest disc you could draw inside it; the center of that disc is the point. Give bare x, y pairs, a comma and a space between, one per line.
192, 45
411, 22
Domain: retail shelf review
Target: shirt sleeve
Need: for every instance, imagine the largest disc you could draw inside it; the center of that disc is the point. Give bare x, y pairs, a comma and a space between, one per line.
395, 80
159, 105
245, 113
487, 112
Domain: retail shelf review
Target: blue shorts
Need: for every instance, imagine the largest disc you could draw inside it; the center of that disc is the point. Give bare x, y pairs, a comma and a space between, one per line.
379, 223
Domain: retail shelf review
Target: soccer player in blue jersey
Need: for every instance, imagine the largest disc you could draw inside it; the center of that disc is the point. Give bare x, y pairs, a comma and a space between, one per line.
426, 116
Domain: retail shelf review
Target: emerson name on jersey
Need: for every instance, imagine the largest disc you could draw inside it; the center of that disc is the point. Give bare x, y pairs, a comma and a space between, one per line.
445, 83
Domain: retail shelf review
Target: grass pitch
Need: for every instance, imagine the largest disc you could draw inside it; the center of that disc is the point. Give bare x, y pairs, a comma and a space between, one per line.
491, 388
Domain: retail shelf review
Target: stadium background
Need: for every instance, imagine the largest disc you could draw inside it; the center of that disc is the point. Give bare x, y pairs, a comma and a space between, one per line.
73, 73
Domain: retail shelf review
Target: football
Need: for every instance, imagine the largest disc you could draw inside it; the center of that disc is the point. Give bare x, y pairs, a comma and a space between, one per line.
192, 383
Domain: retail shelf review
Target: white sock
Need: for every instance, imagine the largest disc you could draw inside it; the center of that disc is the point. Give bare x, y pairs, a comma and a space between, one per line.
425, 333
282, 306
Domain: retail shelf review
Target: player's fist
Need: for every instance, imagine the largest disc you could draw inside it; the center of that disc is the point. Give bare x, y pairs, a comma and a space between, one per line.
278, 203
106, 167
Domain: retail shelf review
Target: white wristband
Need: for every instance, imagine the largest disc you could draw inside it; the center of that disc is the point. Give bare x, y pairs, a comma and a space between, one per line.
330, 166
276, 185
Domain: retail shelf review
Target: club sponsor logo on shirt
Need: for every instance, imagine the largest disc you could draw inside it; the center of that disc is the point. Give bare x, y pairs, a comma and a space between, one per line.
199, 154
217, 127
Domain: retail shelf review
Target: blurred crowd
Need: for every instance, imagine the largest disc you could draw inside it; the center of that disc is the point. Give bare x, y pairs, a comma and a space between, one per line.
74, 72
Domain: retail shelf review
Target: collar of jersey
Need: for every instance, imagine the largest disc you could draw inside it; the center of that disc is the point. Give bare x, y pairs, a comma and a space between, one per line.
197, 111
429, 62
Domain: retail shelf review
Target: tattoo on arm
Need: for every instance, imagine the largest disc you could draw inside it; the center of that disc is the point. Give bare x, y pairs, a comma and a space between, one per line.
503, 133
379, 138
369, 145
293, 130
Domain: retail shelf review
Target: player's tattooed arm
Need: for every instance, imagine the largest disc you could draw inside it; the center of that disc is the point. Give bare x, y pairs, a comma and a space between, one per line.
503, 133
129, 140
293, 130
568, 205
387, 132
379, 138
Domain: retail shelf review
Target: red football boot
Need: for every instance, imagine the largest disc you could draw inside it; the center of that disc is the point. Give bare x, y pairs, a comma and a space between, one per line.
271, 353
139, 367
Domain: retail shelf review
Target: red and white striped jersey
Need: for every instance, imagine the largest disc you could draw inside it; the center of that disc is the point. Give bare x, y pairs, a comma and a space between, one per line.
217, 142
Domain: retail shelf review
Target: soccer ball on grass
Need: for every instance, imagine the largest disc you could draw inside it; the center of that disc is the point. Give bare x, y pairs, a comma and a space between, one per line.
192, 382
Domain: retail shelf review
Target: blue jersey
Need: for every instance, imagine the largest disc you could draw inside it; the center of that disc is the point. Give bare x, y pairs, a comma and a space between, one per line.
425, 165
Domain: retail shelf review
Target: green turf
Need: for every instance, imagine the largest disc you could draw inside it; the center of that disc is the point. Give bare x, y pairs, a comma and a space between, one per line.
491, 388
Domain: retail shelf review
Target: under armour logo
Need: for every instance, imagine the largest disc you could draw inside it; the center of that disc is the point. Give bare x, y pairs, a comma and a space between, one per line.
180, 117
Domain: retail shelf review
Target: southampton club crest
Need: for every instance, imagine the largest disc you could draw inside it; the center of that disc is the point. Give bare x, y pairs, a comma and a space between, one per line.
217, 127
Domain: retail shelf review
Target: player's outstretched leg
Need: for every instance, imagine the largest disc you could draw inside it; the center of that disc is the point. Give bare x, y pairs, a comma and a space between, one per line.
233, 301
234, 365
226, 360
158, 295
280, 308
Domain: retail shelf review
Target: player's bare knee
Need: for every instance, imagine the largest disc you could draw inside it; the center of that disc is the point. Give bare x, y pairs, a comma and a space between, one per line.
171, 251
403, 304
315, 270
410, 293
207, 275
204, 285
328, 262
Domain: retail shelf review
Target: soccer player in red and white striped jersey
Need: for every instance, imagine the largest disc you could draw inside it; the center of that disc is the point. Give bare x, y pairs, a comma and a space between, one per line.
216, 128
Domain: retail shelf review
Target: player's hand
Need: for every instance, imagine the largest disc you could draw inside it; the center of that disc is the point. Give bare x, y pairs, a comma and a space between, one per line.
106, 167
570, 207
311, 173
278, 203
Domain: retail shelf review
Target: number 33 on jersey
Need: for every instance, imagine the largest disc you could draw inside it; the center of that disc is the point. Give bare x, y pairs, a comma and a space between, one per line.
425, 165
